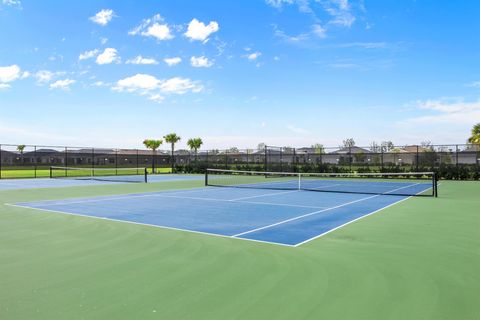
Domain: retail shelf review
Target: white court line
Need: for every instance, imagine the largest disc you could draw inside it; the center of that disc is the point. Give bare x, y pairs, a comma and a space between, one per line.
347, 223
119, 197
207, 233
165, 194
150, 225
265, 195
241, 201
168, 195
325, 187
316, 212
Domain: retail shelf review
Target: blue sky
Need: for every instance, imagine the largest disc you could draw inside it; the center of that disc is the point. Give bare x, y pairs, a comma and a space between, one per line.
237, 73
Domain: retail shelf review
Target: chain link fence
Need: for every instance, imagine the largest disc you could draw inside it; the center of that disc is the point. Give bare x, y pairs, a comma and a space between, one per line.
449, 161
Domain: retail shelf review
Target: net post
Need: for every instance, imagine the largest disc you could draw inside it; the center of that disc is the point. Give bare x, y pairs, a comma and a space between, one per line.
299, 181
51, 176
206, 177
145, 173
435, 185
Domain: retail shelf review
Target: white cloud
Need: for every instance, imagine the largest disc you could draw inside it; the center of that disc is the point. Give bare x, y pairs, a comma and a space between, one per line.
153, 27
55, 57
142, 60
103, 17
4, 86
297, 130
88, 54
199, 31
108, 56
156, 98
340, 11
446, 106
362, 45
278, 3
103, 41
200, 62
44, 76
25, 75
179, 85
138, 82
155, 89
319, 31
475, 84
62, 84
253, 56
448, 111
172, 61
159, 31
13, 3
98, 84
10, 73
287, 38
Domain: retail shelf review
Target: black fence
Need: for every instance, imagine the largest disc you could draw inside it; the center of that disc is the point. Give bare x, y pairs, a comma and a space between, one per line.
449, 161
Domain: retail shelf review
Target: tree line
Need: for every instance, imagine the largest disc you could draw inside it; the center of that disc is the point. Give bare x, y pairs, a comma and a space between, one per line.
171, 138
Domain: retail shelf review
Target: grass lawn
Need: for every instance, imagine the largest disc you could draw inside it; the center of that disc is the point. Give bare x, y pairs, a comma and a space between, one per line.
419, 259
45, 172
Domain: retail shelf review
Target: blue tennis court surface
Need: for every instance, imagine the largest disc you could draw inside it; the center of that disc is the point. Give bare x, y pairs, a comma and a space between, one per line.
15, 184
286, 217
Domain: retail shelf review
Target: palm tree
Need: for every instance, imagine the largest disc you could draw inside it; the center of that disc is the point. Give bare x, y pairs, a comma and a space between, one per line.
172, 138
195, 144
475, 138
153, 145
20, 149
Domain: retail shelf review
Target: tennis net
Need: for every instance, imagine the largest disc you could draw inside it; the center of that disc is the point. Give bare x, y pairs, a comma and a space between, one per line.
100, 174
403, 184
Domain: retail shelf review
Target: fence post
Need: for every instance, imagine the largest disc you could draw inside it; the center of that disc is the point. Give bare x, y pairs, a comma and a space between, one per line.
294, 160
456, 162
417, 157
116, 162
206, 157
381, 157
226, 159
0, 161
350, 160
93, 161
281, 159
66, 161
265, 161
35, 161
136, 153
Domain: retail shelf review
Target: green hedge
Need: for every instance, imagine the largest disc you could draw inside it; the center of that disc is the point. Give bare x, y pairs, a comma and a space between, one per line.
449, 172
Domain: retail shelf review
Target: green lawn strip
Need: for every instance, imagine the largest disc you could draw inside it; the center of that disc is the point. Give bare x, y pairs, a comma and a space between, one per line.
45, 172
418, 259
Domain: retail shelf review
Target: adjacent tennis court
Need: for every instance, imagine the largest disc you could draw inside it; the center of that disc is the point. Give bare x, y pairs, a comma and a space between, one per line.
274, 208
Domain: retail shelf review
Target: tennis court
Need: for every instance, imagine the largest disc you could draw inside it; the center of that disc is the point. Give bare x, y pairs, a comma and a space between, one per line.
280, 209
17, 184
245, 239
